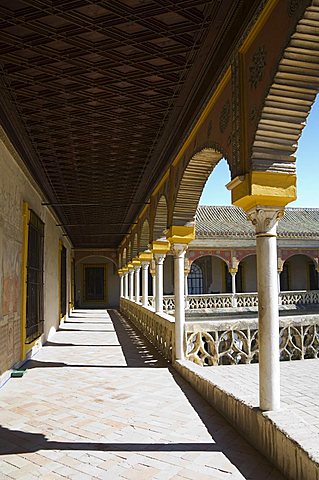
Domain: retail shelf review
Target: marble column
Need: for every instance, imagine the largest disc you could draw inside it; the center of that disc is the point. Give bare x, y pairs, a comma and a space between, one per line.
131, 283
233, 272
265, 220
137, 269
145, 266
179, 292
159, 262
121, 285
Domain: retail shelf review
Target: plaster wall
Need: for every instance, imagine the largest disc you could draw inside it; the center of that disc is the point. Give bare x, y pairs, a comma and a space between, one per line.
218, 276
299, 272
112, 282
17, 187
249, 274
168, 274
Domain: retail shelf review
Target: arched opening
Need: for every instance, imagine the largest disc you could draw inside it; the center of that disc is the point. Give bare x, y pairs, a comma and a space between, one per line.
209, 274
246, 277
124, 257
195, 280
192, 183
145, 236
214, 191
96, 283
289, 100
299, 273
160, 220
134, 246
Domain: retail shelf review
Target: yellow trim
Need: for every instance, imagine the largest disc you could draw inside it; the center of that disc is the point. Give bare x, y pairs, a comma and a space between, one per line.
263, 188
90, 265
181, 234
260, 22
130, 266
136, 262
145, 256
124, 270
24, 272
160, 246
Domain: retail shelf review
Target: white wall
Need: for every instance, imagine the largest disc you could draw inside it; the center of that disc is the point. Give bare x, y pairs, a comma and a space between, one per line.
249, 274
112, 282
168, 273
298, 272
16, 187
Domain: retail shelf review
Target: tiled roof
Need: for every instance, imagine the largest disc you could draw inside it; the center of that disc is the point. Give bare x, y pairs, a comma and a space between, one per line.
230, 221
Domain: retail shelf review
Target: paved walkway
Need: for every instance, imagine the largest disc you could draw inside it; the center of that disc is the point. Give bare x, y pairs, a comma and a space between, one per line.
98, 403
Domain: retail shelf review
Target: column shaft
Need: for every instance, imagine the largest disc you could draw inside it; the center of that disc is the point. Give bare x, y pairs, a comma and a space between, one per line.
126, 285
137, 284
159, 260
145, 266
265, 220
121, 286
131, 285
179, 285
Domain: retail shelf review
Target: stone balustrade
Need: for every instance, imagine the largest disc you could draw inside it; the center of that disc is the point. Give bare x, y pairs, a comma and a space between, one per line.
239, 300
228, 342
158, 328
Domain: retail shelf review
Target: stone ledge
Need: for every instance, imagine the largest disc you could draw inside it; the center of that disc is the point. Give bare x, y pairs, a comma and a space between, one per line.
281, 436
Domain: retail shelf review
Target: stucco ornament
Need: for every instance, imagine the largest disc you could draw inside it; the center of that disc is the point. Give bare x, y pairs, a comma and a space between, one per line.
178, 249
224, 117
265, 219
159, 258
256, 69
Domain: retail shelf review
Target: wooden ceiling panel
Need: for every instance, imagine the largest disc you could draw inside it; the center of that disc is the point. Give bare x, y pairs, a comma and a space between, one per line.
91, 85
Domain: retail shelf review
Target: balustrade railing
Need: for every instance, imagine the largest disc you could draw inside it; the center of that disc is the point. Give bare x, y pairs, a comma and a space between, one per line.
159, 329
228, 300
223, 341
235, 342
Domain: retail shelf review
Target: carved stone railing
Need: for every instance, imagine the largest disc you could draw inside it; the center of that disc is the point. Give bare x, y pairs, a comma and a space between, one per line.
158, 328
234, 342
299, 297
239, 300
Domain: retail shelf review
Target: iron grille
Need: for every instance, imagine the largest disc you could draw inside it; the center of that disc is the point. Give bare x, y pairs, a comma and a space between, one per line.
34, 314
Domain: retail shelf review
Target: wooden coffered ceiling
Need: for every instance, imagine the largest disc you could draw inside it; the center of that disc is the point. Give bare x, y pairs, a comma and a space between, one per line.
96, 96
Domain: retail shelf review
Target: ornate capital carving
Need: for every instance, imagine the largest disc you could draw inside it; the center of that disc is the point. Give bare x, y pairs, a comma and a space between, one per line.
265, 219
145, 264
280, 264
159, 258
179, 249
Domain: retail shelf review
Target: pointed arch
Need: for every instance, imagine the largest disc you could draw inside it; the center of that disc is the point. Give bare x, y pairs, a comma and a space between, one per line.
192, 184
134, 246
289, 99
124, 257
129, 252
144, 236
160, 220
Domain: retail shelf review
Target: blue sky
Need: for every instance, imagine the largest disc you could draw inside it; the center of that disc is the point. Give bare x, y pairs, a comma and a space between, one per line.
215, 192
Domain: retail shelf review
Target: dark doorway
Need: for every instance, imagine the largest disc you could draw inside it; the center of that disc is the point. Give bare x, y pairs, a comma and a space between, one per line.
94, 283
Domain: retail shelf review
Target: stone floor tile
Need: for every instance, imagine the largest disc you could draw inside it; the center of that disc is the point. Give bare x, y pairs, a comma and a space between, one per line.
88, 410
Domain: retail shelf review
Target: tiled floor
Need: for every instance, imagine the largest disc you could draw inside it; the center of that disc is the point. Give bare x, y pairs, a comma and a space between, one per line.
98, 403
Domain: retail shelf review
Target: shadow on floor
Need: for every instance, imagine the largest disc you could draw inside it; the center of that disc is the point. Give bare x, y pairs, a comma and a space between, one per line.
59, 344
139, 352
16, 442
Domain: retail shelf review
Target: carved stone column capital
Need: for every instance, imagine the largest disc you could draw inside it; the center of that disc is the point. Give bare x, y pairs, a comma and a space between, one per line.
145, 264
265, 219
159, 258
178, 249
